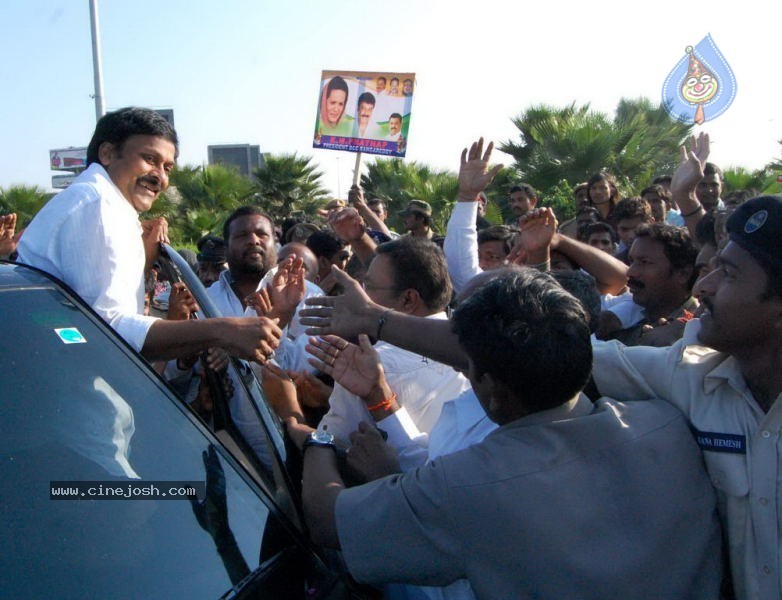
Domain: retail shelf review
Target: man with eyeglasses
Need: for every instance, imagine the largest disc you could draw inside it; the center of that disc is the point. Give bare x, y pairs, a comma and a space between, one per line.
407, 275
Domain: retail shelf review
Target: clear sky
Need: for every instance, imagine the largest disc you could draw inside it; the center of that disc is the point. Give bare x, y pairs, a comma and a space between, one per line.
247, 71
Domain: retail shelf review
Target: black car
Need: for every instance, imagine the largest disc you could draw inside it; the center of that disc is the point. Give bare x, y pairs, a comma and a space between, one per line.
95, 447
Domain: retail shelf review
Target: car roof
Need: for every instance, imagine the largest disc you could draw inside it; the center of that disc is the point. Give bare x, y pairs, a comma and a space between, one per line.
18, 276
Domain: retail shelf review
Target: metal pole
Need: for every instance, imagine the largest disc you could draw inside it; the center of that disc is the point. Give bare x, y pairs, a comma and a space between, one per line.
339, 186
357, 169
97, 69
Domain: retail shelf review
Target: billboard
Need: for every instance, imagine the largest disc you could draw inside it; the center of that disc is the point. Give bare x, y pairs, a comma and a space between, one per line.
244, 157
68, 159
364, 111
60, 182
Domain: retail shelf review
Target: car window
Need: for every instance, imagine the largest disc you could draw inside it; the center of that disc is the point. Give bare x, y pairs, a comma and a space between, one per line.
254, 428
78, 406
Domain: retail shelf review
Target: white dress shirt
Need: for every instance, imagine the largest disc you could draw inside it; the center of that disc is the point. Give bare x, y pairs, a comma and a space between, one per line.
421, 386
461, 244
89, 236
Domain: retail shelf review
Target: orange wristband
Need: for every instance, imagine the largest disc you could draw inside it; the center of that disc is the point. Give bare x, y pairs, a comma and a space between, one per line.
386, 404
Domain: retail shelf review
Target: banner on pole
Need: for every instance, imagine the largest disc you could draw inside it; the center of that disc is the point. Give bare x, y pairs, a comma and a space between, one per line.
364, 111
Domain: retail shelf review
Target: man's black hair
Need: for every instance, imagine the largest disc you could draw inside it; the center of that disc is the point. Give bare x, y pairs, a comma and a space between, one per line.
325, 243
600, 227
528, 190
584, 287
116, 127
704, 230
419, 264
529, 334
498, 233
243, 211
711, 169
366, 98
632, 208
677, 246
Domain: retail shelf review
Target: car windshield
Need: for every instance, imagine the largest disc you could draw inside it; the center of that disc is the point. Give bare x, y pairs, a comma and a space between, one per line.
79, 406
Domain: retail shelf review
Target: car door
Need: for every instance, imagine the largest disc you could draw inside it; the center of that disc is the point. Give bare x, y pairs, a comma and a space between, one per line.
110, 487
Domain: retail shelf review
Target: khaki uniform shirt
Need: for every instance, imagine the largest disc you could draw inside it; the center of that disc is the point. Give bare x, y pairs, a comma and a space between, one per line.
741, 444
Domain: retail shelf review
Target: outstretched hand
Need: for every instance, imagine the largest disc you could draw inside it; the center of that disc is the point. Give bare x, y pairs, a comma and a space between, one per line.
370, 456
356, 368
474, 172
347, 315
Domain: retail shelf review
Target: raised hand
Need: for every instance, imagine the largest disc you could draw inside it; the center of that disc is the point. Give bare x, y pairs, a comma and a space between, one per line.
474, 173
538, 227
286, 290
153, 233
260, 301
356, 196
690, 171
356, 368
347, 224
9, 238
181, 303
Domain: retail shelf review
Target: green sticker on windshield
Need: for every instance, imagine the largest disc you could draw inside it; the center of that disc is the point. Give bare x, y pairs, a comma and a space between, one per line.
70, 335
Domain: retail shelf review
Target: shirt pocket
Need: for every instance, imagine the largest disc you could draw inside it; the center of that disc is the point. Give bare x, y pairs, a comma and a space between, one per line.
729, 473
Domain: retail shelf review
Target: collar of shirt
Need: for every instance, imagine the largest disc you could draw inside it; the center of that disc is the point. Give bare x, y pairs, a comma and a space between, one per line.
578, 406
467, 410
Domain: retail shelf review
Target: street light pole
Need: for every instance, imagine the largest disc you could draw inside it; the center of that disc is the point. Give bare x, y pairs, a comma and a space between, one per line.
97, 69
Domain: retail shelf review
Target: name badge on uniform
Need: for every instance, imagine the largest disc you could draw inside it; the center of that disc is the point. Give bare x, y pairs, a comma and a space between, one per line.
721, 442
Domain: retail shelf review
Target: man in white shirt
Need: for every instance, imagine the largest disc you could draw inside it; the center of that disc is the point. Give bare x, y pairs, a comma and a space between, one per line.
90, 237
252, 263
407, 275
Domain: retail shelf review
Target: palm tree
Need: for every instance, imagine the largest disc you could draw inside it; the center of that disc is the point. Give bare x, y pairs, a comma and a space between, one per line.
200, 199
24, 200
398, 182
286, 183
572, 143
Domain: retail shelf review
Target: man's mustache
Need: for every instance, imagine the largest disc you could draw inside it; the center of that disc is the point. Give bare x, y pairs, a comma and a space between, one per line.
632, 282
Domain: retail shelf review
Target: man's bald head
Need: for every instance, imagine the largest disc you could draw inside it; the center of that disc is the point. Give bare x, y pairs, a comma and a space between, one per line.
300, 251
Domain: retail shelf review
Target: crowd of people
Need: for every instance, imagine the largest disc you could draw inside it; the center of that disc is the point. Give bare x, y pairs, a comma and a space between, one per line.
534, 409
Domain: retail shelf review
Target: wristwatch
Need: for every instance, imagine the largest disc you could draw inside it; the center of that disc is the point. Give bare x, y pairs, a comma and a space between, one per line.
321, 438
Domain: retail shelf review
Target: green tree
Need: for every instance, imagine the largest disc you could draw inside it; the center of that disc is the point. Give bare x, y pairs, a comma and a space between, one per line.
199, 199
739, 178
398, 182
570, 144
24, 200
287, 183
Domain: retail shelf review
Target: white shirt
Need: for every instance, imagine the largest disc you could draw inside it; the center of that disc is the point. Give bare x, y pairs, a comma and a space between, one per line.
421, 386
742, 445
462, 423
291, 354
624, 307
89, 236
461, 244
